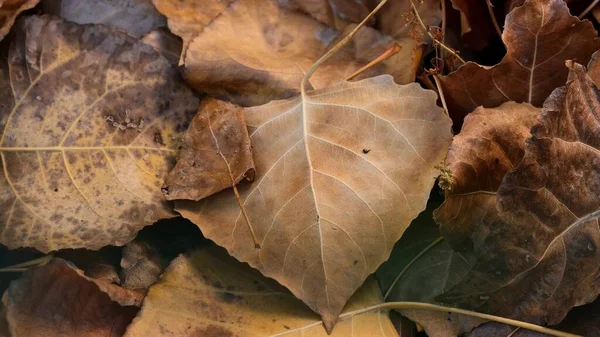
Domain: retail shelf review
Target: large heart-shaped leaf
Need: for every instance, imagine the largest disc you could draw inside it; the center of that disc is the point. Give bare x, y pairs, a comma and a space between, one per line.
90, 121
340, 174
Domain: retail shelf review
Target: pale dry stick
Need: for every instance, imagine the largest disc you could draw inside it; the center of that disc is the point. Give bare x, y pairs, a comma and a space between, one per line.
443, 27
588, 9
393, 50
24, 265
493, 17
441, 92
448, 49
512, 333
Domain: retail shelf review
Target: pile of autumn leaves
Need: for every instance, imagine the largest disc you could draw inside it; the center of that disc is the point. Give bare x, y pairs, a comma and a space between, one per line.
108, 124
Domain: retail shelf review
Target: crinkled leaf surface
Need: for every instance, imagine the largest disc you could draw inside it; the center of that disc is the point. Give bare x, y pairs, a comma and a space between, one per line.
539, 37
255, 52
340, 174
9, 9
135, 17
57, 299
90, 121
490, 144
540, 256
208, 293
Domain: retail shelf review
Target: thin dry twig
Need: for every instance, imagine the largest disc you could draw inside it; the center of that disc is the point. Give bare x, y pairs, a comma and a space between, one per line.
393, 50
441, 93
493, 17
588, 9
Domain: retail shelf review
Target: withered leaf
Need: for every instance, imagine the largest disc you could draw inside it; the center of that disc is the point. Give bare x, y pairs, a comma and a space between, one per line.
57, 298
396, 18
208, 293
164, 42
539, 258
255, 52
90, 124
539, 37
142, 263
9, 9
490, 144
135, 17
327, 213
216, 154
477, 29
334, 13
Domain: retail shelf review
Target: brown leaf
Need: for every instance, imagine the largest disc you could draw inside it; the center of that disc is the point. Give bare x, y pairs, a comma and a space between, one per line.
594, 68
216, 153
57, 298
9, 9
100, 265
164, 42
477, 28
330, 197
135, 17
490, 144
255, 52
211, 294
334, 13
396, 18
539, 37
90, 121
142, 263
545, 241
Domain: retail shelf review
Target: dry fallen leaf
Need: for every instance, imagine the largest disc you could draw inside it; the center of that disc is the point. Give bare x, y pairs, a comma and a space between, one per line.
216, 154
57, 298
340, 173
539, 37
9, 9
210, 294
135, 17
142, 264
334, 13
477, 28
545, 241
90, 121
490, 144
255, 52
164, 42
397, 20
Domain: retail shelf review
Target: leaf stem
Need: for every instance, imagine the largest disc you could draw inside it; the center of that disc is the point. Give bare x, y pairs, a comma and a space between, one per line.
393, 50
436, 41
441, 93
441, 308
588, 9
493, 17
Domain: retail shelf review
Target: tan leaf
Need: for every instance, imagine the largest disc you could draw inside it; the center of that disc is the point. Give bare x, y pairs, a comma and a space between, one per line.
216, 153
9, 9
211, 294
255, 52
334, 13
594, 68
396, 18
164, 42
340, 173
90, 124
545, 241
490, 144
539, 37
57, 298
135, 17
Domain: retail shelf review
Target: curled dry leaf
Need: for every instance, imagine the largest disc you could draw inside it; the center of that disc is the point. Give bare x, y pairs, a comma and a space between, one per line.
539, 37
216, 154
164, 42
334, 13
9, 9
539, 257
208, 293
135, 17
90, 124
57, 298
142, 263
255, 52
490, 144
340, 174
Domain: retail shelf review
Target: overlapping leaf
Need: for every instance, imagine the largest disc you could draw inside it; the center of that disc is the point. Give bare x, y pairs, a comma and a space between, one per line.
90, 124
208, 293
9, 9
334, 13
340, 173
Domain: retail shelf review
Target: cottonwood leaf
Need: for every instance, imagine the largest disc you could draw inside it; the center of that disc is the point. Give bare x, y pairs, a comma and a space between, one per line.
545, 241
90, 124
57, 298
135, 17
9, 10
255, 52
164, 42
334, 13
539, 37
477, 28
490, 144
396, 18
99, 265
340, 174
208, 293
216, 153
422, 267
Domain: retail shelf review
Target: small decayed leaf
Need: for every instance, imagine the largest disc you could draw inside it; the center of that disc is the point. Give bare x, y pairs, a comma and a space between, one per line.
340, 174
216, 153
208, 293
539, 37
255, 52
539, 258
135, 17
490, 144
90, 120
9, 9
57, 299
164, 42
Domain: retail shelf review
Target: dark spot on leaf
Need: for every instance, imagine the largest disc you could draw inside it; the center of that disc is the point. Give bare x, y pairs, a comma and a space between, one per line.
365, 151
